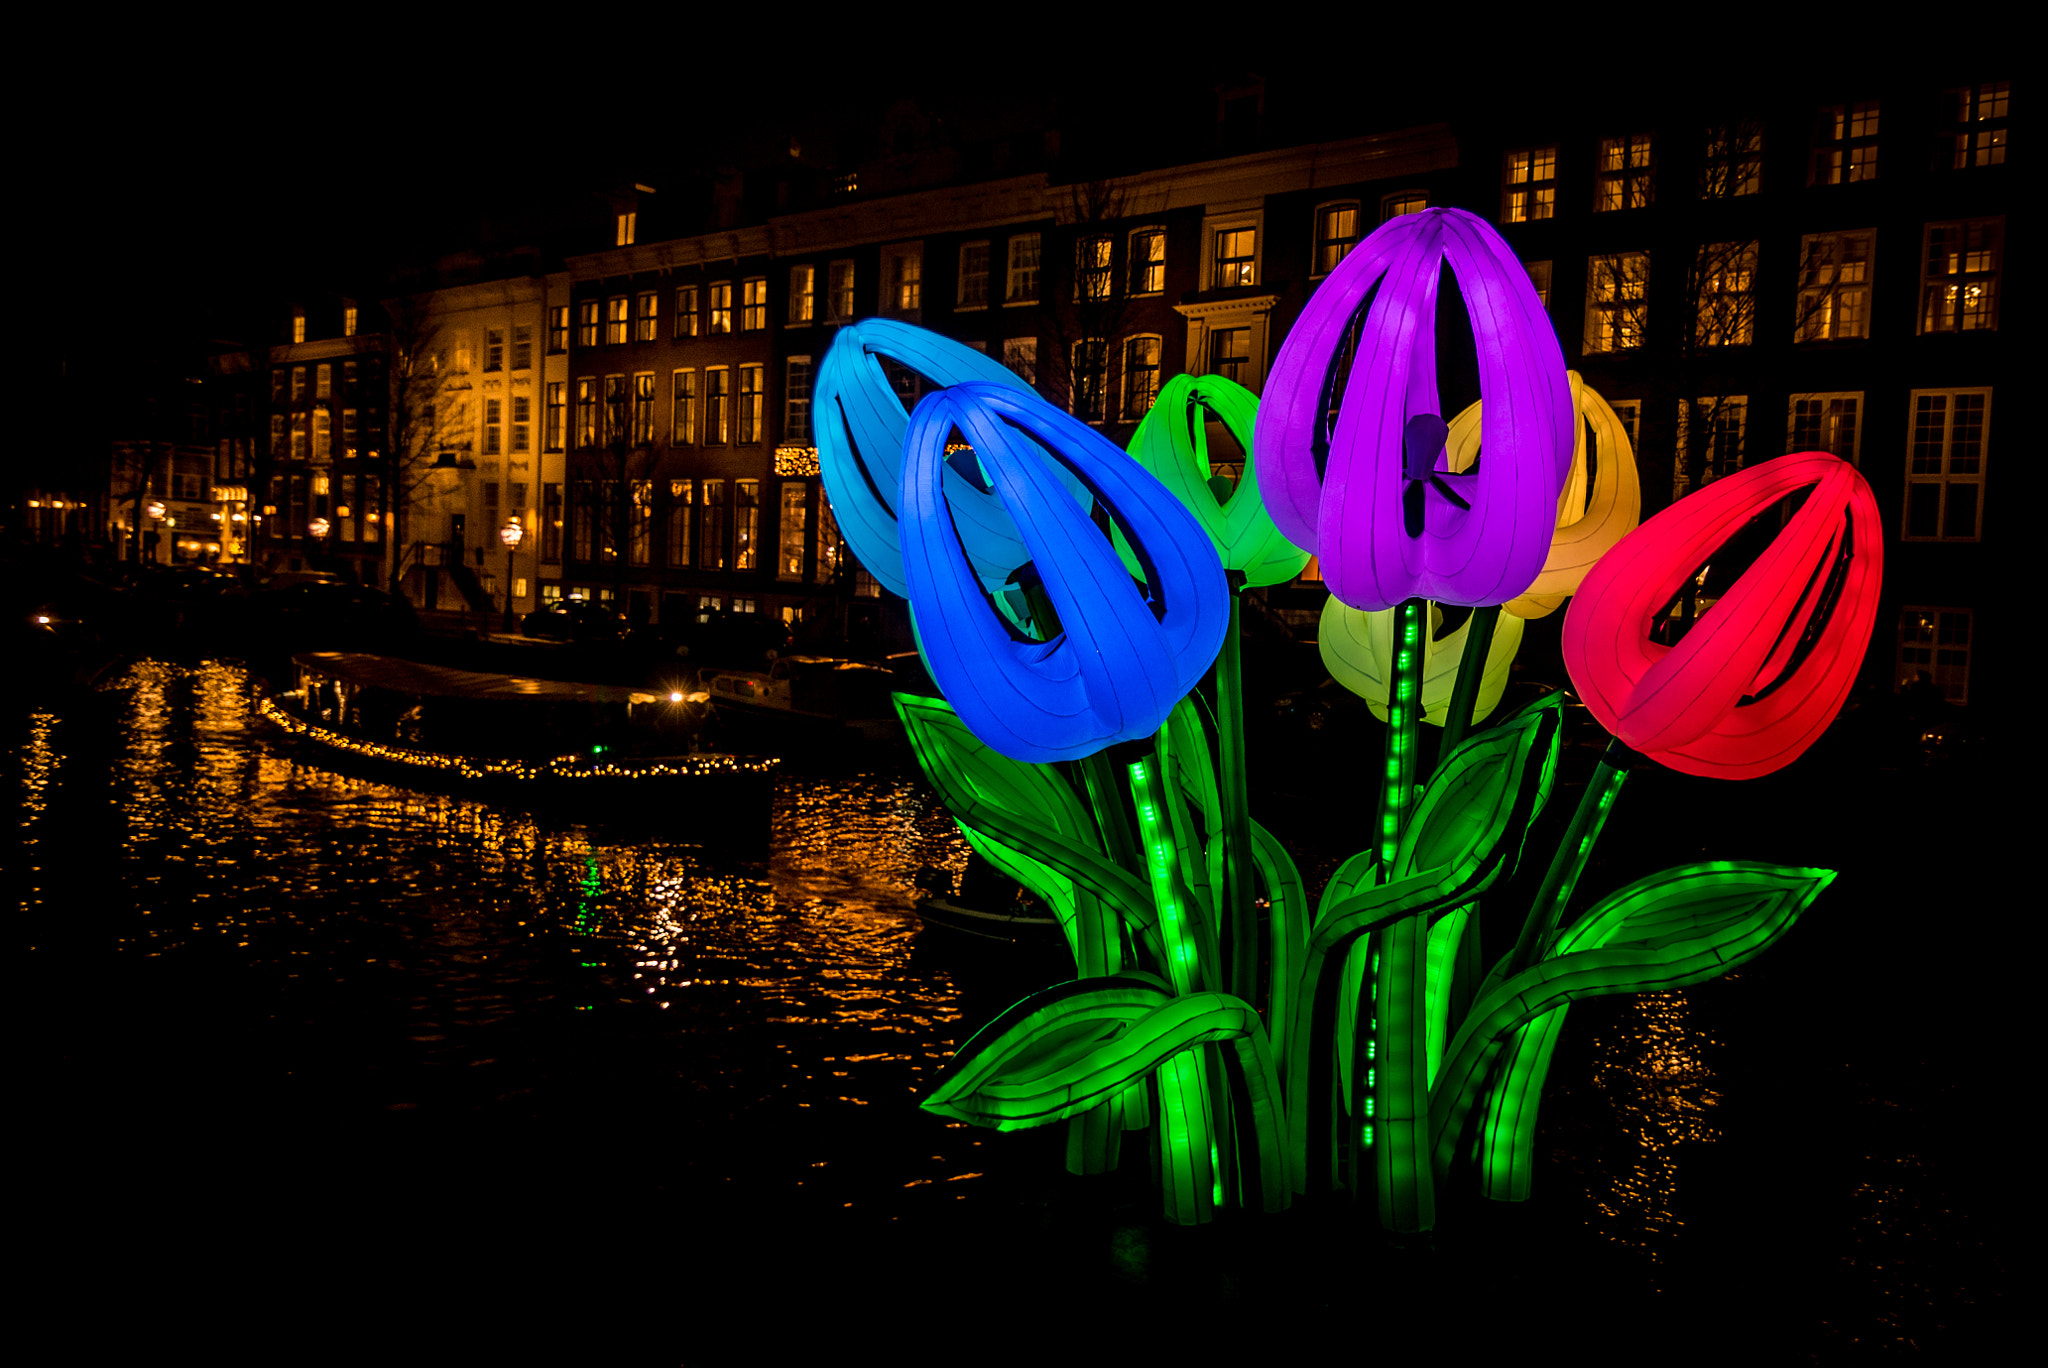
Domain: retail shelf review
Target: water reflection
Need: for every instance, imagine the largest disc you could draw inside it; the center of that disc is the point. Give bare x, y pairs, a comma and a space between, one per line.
1651, 1064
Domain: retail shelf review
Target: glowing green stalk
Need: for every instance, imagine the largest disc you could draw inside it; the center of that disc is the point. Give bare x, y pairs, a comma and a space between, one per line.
1234, 898
1546, 911
1471, 666
1404, 711
1179, 923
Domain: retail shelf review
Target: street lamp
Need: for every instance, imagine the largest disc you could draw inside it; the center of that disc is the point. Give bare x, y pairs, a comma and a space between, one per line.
511, 534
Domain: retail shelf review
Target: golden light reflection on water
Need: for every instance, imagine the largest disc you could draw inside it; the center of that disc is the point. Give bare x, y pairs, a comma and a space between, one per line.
1652, 1067
218, 838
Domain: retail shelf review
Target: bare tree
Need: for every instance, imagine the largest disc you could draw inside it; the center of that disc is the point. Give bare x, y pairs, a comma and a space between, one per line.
1090, 314
427, 397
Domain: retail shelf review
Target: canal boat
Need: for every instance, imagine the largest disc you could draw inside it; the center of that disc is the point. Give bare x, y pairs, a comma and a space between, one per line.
514, 737
988, 906
819, 697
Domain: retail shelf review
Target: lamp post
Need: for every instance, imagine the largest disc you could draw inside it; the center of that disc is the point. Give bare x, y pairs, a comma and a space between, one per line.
319, 528
511, 534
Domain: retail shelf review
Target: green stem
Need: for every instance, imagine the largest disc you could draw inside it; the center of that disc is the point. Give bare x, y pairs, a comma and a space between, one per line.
1404, 713
1182, 928
1234, 899
1471, 669
1546, 911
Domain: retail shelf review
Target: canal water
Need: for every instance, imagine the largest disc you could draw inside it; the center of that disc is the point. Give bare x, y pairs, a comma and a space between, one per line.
308, 1056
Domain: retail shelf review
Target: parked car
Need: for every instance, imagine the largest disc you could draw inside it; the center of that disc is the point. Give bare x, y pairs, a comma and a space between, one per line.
573, 620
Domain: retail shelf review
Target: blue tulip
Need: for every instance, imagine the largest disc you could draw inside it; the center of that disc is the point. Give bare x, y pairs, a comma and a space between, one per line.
1127, 651
860, 425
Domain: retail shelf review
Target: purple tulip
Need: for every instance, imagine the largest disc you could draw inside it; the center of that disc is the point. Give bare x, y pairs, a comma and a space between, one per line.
1363, 483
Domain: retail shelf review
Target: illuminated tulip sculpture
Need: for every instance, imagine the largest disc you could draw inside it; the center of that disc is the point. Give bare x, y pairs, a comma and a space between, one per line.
1126, 653
1369, 493
1745, 692
861, 423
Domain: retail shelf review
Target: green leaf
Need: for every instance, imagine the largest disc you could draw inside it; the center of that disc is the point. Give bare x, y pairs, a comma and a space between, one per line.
1076, 1045
1671, 930
1027, 814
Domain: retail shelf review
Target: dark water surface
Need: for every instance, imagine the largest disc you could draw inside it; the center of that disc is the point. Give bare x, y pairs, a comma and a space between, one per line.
314, 1064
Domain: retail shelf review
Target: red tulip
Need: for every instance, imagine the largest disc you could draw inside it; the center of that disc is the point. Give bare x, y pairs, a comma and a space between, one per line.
1762, 673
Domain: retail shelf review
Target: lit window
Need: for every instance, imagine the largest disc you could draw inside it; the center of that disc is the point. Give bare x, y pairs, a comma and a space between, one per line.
643, 408
522, 347
323, 381
1834, 286
522, 422
1020, 354
348, 321
803, 287
617, 320
717, 417
1539, 277
494, 414
679, 506
646, 318
557, 415
586, 411
587, 315
796, 418
753, 305
1980, 125
750, 403
639, 536
1090, 362
298, 325
1734, 160
903, 274
711, 535
1945, 465
1022, 285
1824, 422
1230, 353
683, 394
298, 383
1723, 425
1148, 261
1617, 290
494, 349
1093, 258
1626, 176
973, 290
1406, 202
1141, 376
1845, 144
840, 282
558, 329
1528, 185
826, 569
323, 436
1934, 651
721, 307
1235, 259
1959, 289
1725, 297
1336, 235
618, 413
789, 531
624, 226
686, 311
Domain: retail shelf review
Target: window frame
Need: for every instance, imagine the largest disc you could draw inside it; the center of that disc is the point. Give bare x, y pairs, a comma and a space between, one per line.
1213, 233
962, 302
1142, 288
1321, 242
1635, 189
903, 293
1841, 155
718, 309
618, 320
1083, 348
589, 321
1930, 282
750, 401
840, 281
789, 559
683, 406
1943, 476
1517, 182
1392, 202
686, 311
1853, 397
556, 415
643, 408
1022, 283
796, 407
803, 298
1815, 298
1125, 409
1097, 282
1020, 345
558, 329
720, 433
647, 316
1712, 469
1935, 646
754, 304
1724, 304
1620, 305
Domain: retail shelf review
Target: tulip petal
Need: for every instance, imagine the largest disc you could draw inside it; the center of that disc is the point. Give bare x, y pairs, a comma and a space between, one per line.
1126, 653
1345, 494
860, 429
1358, 650
1734, 699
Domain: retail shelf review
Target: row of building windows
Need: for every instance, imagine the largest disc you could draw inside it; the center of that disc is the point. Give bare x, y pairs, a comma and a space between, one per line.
705, 524
1844, 151
1960, 266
